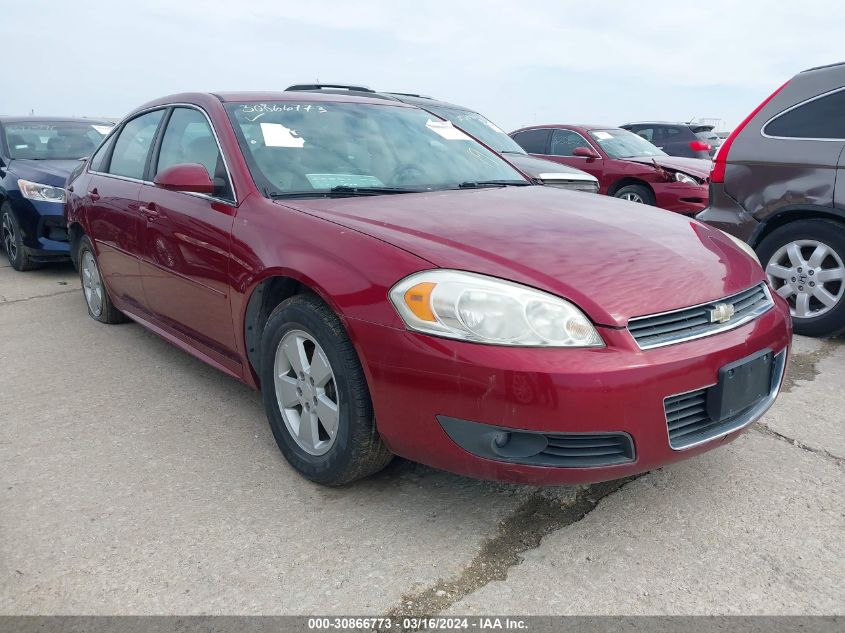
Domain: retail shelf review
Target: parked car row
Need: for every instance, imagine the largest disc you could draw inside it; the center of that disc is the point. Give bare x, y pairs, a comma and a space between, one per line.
395, 285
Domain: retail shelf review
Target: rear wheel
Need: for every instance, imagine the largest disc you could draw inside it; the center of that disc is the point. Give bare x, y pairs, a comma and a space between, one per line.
316, 395
805, 264
635, 193
100, 306
10, 231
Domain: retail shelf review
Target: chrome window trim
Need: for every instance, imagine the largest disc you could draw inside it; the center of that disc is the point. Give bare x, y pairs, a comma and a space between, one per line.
746, 419
798, 105
756, 313
204, 196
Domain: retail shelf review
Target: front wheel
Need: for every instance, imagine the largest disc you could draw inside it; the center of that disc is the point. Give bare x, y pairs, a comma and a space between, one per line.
12, 237
316, 396
804, 264
635, 193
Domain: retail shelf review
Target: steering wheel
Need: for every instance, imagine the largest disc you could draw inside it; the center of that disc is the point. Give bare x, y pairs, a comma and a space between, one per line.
402, 173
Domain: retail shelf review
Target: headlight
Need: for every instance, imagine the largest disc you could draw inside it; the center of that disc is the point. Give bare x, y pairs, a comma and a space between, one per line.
43, 193
472, 307
684, 178
743, 246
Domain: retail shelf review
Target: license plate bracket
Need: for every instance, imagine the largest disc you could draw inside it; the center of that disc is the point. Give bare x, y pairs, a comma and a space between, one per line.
741, 384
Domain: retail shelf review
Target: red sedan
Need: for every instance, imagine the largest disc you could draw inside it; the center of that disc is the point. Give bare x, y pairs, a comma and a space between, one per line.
627, 166
393, 287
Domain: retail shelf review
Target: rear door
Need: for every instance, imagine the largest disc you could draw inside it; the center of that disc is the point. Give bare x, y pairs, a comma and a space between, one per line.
112, 207
186, 240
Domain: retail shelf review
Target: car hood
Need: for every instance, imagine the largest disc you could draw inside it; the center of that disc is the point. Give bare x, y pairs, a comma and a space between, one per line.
614, 259
47, 172
541, 168
692, 166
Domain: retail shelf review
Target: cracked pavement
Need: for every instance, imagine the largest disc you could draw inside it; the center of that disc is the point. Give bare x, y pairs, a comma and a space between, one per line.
136, 480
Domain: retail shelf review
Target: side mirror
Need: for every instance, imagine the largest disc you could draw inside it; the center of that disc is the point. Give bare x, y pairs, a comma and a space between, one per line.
187, 177
585, 152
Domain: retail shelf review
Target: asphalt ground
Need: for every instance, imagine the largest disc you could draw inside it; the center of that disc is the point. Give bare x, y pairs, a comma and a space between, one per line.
136, 480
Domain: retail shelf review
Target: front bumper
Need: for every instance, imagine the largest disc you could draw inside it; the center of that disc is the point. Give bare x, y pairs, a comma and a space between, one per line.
680, 197
44, 229
619, 389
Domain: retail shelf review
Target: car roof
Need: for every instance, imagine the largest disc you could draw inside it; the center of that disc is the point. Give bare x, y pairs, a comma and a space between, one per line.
205, 98
581, 126
681, 123
409, 98
53, 119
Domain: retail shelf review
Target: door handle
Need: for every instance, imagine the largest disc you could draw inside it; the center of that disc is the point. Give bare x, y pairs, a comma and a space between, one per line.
150, 212
94, 194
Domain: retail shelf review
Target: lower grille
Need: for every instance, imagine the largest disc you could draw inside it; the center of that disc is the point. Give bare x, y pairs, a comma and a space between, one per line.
535, 448
583, 450
689, 423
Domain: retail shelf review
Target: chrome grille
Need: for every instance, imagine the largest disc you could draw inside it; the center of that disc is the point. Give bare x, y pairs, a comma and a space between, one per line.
695, 322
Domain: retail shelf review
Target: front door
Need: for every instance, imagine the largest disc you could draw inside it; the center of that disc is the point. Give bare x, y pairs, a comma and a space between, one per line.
186, 241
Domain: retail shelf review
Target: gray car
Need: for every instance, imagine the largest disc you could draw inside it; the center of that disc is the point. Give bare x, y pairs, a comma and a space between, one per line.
774, 184
543, 172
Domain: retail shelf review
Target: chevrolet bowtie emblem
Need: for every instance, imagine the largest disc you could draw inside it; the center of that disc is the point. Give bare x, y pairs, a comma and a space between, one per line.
722, 313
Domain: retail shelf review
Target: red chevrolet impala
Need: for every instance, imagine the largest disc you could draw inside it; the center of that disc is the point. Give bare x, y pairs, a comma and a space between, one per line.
393, 287
626, 165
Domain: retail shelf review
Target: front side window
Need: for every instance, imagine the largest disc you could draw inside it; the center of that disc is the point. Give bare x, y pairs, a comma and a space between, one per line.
821, 118
619, 143
480, 127
53, 140
564, 141
295, 148
132, 146
189, 138
98, 160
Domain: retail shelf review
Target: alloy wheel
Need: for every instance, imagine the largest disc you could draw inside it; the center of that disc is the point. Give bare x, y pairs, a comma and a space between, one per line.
632, 196
92, 284
9, 240
306, 392
810, 275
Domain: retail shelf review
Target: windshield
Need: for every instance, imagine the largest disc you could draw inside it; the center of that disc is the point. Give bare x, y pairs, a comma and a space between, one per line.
53, 140
302, 148
618, 143
480, 127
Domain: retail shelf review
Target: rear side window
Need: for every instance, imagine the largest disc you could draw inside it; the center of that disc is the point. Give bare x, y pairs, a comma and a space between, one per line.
823, 117
132, 146
532, 141
98, 160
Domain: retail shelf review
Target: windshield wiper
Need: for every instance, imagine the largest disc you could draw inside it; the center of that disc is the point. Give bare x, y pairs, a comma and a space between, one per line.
478, 184
339, 192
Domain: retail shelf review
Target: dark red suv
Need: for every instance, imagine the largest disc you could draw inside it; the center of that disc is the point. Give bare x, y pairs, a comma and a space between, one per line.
394, 287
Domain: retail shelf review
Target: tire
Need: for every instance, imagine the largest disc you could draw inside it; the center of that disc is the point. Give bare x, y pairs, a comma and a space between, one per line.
355, 450
787, 254
636, 193
97, 299
10, 234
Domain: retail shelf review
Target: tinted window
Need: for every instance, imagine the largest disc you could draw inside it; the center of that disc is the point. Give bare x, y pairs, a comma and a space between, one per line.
821, 118
646, 132
564, 141
133, 145
532, 141
99, 158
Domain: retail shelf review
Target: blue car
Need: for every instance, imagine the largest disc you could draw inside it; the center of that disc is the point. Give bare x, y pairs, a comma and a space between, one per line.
36, 157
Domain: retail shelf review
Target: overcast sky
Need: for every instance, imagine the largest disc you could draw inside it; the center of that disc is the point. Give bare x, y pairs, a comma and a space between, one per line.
518, 62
